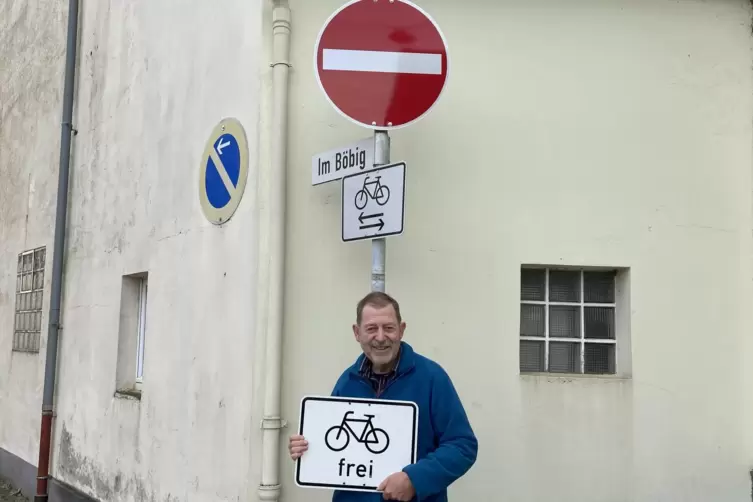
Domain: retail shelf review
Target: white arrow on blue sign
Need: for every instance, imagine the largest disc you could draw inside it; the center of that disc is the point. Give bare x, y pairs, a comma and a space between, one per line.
224, 170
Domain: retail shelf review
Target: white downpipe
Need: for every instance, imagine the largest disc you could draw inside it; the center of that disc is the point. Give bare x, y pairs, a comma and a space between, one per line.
269, 488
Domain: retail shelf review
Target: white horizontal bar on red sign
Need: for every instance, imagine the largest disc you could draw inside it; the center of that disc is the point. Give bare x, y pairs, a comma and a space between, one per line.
382, 61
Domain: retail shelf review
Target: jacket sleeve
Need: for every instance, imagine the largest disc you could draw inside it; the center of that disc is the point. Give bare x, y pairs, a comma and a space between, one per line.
457, 446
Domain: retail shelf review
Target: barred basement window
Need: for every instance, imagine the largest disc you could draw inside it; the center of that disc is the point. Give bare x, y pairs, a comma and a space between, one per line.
29, 296
567, 321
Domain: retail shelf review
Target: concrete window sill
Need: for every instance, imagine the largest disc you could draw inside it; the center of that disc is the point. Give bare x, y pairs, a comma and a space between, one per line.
132, 394
572, 376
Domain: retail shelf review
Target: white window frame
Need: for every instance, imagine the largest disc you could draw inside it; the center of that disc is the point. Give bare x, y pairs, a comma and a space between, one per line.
143, 288
582, 306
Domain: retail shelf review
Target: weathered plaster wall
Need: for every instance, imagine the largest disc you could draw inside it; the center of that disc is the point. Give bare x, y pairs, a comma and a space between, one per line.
153, 80
580, 133
32, 47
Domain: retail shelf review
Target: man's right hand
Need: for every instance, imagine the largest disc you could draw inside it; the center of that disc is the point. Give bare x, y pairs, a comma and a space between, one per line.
298, 445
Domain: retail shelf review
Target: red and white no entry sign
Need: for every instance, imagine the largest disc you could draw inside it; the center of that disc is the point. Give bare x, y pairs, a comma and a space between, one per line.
381, 63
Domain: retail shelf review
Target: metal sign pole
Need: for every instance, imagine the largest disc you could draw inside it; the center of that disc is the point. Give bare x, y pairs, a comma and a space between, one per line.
379, 245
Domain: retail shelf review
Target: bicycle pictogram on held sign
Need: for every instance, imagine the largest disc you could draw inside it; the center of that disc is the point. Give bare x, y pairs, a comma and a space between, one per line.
375, 439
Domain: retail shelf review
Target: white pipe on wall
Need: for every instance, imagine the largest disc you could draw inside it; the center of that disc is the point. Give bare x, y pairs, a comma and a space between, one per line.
269, 488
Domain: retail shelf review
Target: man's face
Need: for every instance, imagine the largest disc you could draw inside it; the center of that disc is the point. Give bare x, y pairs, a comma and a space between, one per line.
379, 335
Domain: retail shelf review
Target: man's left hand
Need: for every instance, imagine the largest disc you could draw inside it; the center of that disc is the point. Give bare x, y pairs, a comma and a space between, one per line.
397, 487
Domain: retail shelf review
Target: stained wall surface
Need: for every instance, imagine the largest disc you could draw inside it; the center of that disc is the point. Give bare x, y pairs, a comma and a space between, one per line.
153, 80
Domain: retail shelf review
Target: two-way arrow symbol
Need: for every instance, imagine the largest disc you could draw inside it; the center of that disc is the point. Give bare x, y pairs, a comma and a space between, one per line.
363, 217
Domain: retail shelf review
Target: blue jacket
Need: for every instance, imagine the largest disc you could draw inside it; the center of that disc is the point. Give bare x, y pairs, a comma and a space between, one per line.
447, 446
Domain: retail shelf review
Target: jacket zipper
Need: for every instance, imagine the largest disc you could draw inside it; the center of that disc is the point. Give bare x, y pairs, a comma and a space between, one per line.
367, 384
398, 377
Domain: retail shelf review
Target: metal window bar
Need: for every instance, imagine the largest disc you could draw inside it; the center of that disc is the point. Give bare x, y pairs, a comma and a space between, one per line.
582, 325
567, 304
590, 341
546, 321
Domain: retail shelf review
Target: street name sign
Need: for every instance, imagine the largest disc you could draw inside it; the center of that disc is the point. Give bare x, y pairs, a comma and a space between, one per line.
336, 163
373, 203
354, 444
223, 171
382, 64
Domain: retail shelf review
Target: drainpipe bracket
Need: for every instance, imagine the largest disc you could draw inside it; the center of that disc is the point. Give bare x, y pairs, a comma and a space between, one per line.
284, 63
273, 423
269, 492
69, 125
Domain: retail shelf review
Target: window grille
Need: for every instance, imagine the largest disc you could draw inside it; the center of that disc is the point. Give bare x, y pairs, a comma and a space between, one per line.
567, 321
29, 298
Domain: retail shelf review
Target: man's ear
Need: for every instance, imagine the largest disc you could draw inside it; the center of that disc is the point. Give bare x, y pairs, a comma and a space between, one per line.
402, 329
355, 331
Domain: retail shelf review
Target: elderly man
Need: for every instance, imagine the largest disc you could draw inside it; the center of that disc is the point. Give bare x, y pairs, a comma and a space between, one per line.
390, 369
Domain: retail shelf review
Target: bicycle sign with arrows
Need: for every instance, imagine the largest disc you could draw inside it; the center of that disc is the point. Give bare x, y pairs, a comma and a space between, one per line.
373, 203
354, 444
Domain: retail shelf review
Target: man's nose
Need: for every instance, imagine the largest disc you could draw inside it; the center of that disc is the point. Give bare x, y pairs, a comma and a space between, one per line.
380, 335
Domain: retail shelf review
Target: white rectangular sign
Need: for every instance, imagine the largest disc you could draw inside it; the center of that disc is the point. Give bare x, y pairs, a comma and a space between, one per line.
339, 162
373, 203
354, 444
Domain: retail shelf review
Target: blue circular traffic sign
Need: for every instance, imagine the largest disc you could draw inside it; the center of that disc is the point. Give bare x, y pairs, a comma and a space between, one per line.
224, 170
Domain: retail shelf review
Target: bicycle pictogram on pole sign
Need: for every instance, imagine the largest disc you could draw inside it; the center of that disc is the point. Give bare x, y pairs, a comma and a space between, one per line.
380, 193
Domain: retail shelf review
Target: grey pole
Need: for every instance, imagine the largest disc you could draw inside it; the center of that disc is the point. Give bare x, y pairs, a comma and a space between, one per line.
379, 245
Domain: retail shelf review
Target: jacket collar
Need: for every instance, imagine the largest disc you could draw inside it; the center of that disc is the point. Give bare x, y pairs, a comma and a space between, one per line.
405, 364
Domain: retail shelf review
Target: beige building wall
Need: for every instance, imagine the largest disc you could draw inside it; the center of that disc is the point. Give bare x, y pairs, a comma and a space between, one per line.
594, 133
